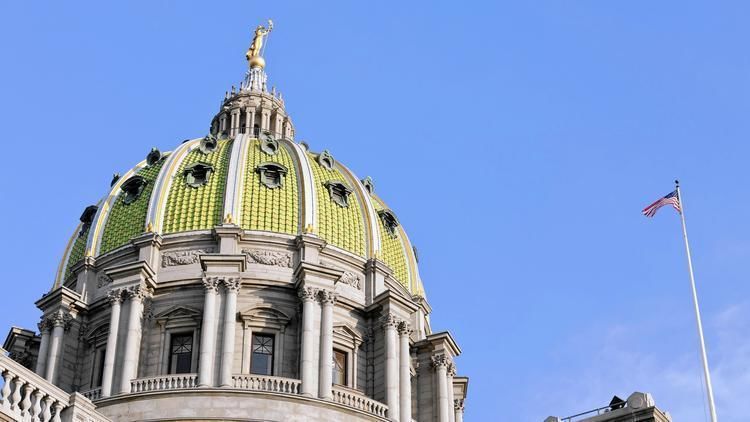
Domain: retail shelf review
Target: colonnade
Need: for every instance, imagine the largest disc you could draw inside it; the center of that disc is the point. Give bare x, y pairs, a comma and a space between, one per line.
52, 328
266, 119
209, 328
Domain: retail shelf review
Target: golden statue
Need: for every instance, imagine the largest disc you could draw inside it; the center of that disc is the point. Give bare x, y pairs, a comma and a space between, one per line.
253, 54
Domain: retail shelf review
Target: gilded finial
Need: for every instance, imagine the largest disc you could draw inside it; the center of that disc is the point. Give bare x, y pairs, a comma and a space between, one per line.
228, 219
255, 52
149, 227
377, 254
310, 229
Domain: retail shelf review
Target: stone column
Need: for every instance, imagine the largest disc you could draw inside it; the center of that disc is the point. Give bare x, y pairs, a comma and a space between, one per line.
440, 363
208, 333
391, 366
458, 405
58, 321
325, 377
232, 123
404, 372
136, 296
115, 299
41, 359
450, 373
223, 123
307, 366
232, 287
249, 120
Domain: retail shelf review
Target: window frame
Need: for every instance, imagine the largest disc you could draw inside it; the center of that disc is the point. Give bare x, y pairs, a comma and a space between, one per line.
265, 319
346, 340
274, 350
171, 363
175, 321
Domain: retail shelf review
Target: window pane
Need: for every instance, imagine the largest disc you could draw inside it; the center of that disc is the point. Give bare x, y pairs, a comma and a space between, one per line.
181, 354
261, 360
339, 367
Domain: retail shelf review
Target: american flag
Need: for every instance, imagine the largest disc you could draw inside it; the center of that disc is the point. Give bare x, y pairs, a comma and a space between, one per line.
670, 199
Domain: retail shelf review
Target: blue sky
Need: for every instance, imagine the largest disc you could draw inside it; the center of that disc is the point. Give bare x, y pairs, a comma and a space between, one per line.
517, 142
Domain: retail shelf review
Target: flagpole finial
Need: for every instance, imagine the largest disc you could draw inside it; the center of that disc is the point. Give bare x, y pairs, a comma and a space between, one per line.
677, 183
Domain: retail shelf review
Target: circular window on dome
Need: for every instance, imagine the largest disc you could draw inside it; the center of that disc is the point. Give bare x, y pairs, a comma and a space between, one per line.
339, 193
390, 222
197, 174
208, 144
132, 189
271, 174
153, 157
326, 160
270, 146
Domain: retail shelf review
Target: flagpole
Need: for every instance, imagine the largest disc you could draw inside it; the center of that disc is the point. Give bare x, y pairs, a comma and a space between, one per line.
706, 374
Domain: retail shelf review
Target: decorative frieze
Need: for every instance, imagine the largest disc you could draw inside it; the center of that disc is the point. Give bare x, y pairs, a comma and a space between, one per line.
103, 280
175, 258
265, 257
351, 279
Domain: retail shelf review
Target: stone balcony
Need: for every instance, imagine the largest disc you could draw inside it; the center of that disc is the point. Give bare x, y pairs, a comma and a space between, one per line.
266, 396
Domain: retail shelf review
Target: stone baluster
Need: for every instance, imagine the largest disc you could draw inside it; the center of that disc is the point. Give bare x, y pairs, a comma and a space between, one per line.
41, 361
208, 333
136, 296
459, 409
46, 412
115, 300
390, 324
440, 362
25, 404
450, 373
15, 397
58, 407
232, 286
327, 300
307, 366
404, 331
36, 409
5, 392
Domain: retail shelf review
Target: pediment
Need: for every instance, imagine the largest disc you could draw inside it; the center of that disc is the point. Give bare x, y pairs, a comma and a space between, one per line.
266, 314
178, 312
347, 333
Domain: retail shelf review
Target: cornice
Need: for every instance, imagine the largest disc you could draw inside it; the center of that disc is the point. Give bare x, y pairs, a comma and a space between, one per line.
239, 261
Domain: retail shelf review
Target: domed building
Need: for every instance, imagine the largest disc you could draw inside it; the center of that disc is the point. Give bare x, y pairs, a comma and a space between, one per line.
240, 276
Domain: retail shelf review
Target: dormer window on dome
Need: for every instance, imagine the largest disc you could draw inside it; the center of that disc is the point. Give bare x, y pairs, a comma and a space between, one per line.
271, 174
197, 174
153, 157
339, 193
390, 222
132, 189
269, 145
368, 184
87, 218
325, 159
208, 144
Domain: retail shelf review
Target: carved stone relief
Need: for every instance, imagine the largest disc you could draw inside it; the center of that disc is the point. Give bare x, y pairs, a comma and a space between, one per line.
263, 257
171, 259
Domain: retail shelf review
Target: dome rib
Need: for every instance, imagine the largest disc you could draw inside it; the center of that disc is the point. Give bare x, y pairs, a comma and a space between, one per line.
93, 244
234, 191
309, 194
158, 200
372, 233
64, 267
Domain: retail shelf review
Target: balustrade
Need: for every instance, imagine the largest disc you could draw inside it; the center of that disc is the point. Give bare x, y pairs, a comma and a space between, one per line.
359, 401
164, 382
267, 383
26, 396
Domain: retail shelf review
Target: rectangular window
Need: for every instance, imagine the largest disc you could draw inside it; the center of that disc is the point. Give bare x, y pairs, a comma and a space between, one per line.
98, 369
181, 354
261, 360
339, 368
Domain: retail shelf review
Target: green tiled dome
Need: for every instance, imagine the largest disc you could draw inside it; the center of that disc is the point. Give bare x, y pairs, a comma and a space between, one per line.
206, 182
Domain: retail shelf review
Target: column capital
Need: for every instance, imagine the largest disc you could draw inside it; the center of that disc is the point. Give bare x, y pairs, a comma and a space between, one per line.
458, 404
452, 369
138, 292
232, 284
389, 320
441, 360
327, 297
59, 319
307, 294
115, 296
211, 284
404, 328
44, 325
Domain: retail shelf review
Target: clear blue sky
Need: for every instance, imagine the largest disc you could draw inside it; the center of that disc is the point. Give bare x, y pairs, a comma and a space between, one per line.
517, 143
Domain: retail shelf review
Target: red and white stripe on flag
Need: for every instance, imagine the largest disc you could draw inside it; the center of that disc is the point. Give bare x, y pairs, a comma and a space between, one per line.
670, 199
